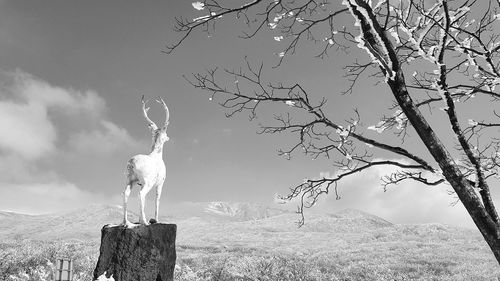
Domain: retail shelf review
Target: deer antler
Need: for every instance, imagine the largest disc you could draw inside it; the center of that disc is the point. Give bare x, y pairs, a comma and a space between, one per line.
145, 109
167, 112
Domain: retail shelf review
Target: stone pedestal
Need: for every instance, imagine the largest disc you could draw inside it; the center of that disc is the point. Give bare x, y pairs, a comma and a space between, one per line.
141, 253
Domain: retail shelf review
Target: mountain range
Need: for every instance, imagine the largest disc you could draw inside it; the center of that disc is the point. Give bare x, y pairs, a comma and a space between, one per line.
85, 223
233, 225
349, 239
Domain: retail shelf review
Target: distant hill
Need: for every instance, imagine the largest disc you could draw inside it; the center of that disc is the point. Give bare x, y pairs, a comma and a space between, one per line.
242, 211
233, 225
354, 244
222, 211
85, 223
81, 224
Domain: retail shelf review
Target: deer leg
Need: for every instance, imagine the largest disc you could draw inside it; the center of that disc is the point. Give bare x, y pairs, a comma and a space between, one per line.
126, 194
159, 187
142, 199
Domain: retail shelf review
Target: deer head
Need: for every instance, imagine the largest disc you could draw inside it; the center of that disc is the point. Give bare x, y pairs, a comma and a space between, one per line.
159, 134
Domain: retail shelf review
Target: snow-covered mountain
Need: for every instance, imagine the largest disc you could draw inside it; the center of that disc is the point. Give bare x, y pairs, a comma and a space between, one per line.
242, 211
223, 224
85, 223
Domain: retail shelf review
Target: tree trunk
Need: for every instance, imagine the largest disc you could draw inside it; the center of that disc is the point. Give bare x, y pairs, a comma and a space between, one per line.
480, 209
465, 192
142, 253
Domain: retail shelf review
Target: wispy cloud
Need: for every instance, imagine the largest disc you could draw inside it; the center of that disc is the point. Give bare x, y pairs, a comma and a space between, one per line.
27, 103
407, 202
70, 101
49, 197
26, 130
39, 122
104, 139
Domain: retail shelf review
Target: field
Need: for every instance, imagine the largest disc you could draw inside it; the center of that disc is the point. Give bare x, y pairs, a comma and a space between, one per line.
220, 241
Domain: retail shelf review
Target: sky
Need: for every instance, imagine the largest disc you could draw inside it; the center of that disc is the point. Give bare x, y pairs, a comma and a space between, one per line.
71, 77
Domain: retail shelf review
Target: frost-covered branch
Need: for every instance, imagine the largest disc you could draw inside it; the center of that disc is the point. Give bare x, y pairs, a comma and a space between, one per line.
399, 176
319, 136
310, 191
289, 21
443, 56
215, 12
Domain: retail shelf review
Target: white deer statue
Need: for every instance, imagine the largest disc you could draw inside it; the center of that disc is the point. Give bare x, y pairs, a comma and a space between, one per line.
147, 171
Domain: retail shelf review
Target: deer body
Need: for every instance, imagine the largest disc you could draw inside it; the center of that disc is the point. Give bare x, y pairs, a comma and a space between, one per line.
147, 171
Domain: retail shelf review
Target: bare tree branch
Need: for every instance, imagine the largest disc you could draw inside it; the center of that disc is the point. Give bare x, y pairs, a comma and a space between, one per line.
453, 50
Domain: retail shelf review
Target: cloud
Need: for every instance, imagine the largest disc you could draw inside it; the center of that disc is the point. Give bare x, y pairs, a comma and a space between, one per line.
26, 127
28, 108
39, 92
108, 138
407, 202
26, 130
35, 198
43, 128
18, 170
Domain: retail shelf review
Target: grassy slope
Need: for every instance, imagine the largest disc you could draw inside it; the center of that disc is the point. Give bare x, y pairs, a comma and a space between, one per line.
351, 243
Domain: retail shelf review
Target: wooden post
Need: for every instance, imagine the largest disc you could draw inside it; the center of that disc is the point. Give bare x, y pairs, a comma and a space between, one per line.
142, 253
63, 270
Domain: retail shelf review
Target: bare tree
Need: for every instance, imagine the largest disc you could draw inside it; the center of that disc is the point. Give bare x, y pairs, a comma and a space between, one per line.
452, 47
